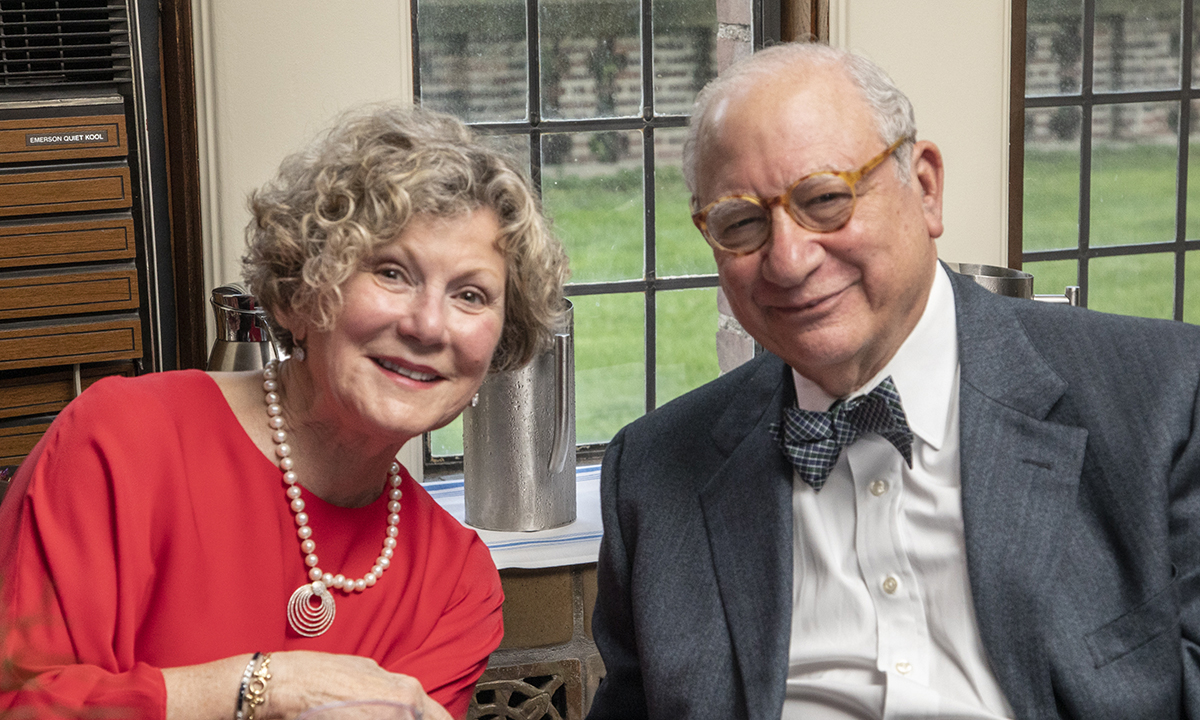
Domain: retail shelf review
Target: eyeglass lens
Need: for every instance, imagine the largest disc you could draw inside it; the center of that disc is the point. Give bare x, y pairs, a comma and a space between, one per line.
821, 203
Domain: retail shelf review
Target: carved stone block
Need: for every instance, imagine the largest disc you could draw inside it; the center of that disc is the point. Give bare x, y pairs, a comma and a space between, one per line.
535, 691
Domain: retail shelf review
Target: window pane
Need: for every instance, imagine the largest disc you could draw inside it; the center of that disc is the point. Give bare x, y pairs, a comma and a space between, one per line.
1053, 43
1195, 45
448, 440
1191, 287
687, 349
592, 190
591, 59
1133, 173
1193, 188
685, 44
1142, 285
1136, 45
1051, 207
610, 374
1053, 276
515, 146
474, 64
680, 247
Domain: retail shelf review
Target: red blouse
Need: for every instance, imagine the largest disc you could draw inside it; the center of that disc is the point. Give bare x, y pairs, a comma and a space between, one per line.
146, 530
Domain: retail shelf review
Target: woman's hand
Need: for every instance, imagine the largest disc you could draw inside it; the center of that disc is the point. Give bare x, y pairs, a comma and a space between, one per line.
300, 680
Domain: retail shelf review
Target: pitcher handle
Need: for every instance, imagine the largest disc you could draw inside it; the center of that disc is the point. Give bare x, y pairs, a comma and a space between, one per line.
558, 456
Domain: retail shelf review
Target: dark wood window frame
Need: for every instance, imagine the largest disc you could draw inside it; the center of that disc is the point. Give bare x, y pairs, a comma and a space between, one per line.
183, 182
1086, 99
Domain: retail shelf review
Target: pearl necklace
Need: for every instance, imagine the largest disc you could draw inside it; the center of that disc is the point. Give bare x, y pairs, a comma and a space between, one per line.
304, 618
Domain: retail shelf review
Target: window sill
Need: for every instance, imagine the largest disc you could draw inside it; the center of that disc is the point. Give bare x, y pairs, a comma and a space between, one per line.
574, 544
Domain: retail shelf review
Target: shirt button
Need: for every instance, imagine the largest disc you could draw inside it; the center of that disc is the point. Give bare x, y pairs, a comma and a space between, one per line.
878, 488
903, 668
890, 583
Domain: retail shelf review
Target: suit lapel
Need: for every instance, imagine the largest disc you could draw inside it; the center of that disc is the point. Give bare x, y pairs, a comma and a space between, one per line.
1020, 477
747, 512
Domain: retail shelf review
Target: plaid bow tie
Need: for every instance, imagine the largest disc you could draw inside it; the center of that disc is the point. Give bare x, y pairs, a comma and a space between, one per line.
813, 440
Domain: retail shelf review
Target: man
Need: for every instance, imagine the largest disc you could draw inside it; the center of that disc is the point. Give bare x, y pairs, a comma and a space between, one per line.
1000, 516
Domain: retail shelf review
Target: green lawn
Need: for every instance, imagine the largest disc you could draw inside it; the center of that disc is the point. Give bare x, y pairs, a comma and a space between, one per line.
1133, 201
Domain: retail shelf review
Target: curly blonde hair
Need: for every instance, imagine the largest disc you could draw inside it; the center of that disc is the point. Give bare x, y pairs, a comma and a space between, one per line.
356, 188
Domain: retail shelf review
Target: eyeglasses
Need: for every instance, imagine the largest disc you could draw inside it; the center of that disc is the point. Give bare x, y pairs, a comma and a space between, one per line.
821, 202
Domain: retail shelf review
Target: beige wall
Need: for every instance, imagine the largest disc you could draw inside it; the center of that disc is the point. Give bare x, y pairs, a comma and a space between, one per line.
270, 74
952, 59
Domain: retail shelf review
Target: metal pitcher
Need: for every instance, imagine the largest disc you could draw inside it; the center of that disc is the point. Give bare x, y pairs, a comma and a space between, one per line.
243, 336
1000, 280
519, 443
1013, 283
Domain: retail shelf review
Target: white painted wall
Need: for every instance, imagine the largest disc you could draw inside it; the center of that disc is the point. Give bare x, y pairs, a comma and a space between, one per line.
270, 75
951, 57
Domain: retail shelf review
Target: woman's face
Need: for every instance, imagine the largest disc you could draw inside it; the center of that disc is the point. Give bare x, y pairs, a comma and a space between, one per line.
418, 325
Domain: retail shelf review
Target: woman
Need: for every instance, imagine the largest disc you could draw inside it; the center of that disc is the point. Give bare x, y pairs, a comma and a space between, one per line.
243, 545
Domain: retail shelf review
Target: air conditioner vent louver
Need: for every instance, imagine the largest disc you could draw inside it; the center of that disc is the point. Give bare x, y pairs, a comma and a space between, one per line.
52, 43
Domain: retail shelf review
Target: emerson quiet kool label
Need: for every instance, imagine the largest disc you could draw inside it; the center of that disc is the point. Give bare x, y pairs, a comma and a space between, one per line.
66, 137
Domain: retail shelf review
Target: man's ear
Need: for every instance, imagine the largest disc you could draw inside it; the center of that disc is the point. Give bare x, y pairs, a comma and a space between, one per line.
928, 172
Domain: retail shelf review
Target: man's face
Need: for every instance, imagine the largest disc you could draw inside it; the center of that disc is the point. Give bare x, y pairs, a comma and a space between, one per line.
835, 306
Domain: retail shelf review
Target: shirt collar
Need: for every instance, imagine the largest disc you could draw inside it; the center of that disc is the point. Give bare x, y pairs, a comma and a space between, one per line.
924, 368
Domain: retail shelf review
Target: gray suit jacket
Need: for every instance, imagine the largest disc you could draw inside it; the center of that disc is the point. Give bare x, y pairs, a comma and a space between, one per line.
1081, 507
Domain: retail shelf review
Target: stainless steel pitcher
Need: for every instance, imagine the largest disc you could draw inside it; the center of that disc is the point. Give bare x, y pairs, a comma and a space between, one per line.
1000, 280
1013, 283
243, 337
519, 443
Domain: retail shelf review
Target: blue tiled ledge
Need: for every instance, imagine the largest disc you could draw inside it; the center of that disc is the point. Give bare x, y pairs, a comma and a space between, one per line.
574, 544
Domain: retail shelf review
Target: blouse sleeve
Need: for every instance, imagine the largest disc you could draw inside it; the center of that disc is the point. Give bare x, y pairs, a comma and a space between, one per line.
468, 631
70, 564
464, 625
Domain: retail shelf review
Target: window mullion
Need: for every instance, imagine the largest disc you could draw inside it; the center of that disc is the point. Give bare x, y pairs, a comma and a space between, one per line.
1085, 144
1185, 129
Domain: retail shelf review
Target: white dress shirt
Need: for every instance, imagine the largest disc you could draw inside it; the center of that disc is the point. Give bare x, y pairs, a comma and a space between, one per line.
883, 624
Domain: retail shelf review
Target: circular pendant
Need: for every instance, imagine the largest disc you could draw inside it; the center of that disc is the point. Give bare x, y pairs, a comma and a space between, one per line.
307, 619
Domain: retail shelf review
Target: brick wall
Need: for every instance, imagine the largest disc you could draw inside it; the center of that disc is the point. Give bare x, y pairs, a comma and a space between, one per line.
1131, 53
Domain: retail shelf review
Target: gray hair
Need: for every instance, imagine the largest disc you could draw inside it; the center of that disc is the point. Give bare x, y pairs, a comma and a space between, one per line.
891, 108
357, 187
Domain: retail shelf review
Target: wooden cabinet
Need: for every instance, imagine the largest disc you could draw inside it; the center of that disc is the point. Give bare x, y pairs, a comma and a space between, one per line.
64, 189
43, 139
17, 440
94, 238
69, 284
45, 392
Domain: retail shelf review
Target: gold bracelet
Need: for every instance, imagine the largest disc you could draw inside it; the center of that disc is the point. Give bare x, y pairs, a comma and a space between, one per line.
256, 691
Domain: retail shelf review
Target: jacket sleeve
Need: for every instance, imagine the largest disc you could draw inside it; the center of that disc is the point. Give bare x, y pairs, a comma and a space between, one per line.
1184, 524
621, 695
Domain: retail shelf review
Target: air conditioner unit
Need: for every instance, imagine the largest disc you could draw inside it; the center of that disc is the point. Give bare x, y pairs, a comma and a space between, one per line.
85, 281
